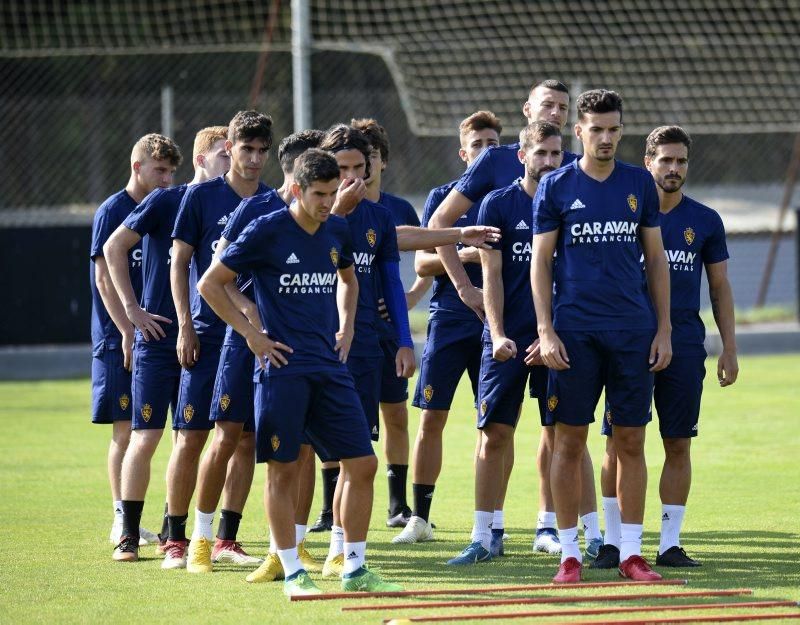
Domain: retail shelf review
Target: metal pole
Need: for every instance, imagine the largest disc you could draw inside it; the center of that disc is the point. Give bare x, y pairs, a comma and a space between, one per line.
576, 88
301, 64
167, 110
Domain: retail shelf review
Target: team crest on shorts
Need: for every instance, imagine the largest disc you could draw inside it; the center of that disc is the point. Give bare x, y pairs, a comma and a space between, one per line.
484, 408
335, 256
633, 203
552, 402
688, 234
188, 412
147, 412
372, 238
124, 401
224, 402
276, 442
608, 417
428, 392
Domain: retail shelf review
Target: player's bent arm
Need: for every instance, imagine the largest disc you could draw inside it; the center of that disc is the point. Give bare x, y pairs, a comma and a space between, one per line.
245, 305
492, 263
721, 295
111, 300
417, 290
428, 264
657, 271
552, 350
446, 214
346, 303
188, 345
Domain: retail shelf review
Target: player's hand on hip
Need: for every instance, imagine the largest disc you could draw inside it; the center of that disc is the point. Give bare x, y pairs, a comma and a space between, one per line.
552, 350
727, 368
266, 349
533, 354
148, 323
188, 347
480, 236
127, 350
473, 298
404, 362
344, 340
503, 348
661, 351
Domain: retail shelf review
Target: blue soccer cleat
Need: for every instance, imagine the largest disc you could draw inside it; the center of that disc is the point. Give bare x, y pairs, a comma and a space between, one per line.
471, 555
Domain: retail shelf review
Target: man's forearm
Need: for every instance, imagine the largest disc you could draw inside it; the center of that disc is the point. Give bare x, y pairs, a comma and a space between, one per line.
117, 261
417, 290
346, 302
217, 297
542, 288
108, 294
416, 238
179, 283
722, 306
658, 285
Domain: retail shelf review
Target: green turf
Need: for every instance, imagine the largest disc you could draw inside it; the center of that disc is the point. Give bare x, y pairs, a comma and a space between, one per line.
55, 561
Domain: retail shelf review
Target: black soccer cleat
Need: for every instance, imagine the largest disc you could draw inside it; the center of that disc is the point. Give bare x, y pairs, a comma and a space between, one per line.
400, 519
676, 557
607, 558
324, 522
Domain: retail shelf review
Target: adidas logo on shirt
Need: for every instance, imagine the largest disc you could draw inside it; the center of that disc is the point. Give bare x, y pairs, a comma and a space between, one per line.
292, 260
522, 225
577, 204
223, 220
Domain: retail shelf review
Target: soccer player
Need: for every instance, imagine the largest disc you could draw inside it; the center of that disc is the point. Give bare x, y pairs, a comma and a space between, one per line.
508, 329
154, 159
156, 368
204, 211
453, 343
304, 388
694, 237
288, 150
595, 320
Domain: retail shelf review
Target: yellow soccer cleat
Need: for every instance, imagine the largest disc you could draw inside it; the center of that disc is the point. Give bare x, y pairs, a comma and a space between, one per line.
309, 564
334, 567
199, 559
269, 571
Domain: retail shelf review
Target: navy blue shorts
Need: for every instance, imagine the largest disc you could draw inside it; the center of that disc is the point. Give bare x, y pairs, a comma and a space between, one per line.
677, 394
394, 390
366, 373
156, 379
616, 360
502, 387
111, 386
452, 347
321, 408
196, 391
233, 387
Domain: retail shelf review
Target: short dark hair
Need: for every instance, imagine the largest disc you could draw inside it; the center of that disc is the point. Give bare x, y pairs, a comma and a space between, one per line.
313, 165
294, 145
536, 132
249, 125
551, 83
599, 101
664, 135
480, 120
375, 134
341, 137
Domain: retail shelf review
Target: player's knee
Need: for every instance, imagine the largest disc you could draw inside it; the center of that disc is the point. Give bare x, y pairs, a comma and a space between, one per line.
677, 450
432, 422
143, 443
629, 441
190, 442
361, 469
121, 434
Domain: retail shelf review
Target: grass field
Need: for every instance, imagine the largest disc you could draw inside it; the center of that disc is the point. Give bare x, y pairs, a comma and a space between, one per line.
55, 559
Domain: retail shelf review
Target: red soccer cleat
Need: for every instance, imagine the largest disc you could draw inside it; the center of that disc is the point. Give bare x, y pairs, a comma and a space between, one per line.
569, 572
637, 569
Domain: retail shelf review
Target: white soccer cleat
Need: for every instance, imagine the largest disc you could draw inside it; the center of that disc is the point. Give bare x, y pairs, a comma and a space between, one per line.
231, 551
175, 554
146, 537
418, 530
547, 541
150, 538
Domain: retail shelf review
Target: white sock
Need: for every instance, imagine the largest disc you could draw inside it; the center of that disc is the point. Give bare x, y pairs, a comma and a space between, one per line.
545, 519
613, 521
498, 520
118, 513
591, 526
337, 542
482, 528
354, 556
569, 544
299, 533
290, 561
203, 525
671, 522
631, 542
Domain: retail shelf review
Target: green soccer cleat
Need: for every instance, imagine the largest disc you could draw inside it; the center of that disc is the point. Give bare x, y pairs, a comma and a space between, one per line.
300, 584
364, 580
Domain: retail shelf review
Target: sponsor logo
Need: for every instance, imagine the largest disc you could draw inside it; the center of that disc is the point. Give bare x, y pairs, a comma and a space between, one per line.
665, 516
292, 260
124, 401
147, 412
680, 260
363, 261
522, 225
552, 402
275, 442
188, 413
390, 473
608, 417
374, 430
352, 555
224, 402
688, 234
694, 428
484, 408
223, 220
428, 392
335, 256
577, 205
521, 252
318, 282
604, 232
372, 238
633, 203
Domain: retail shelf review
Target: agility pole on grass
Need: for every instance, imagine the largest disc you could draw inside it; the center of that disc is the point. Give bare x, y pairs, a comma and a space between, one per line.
533, 600
721, 618
490, 616
484, 590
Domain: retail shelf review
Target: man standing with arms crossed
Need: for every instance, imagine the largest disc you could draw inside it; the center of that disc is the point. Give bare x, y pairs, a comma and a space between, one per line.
595, 320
